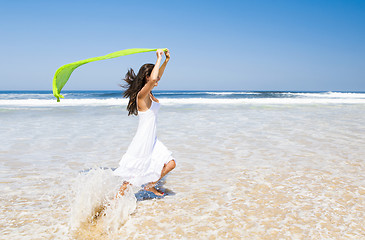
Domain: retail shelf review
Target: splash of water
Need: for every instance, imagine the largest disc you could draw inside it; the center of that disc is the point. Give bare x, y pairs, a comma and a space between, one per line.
94, 202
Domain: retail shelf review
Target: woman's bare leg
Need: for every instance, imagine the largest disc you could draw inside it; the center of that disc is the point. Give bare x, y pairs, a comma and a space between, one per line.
122, 189
165, 170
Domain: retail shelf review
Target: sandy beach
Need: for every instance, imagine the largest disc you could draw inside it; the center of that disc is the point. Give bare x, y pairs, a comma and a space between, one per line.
244, 171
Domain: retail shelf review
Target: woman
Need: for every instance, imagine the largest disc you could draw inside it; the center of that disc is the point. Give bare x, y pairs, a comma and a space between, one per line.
147, 160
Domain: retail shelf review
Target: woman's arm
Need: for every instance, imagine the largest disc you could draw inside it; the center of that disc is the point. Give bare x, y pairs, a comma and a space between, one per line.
155, 71
153, 77
162, 68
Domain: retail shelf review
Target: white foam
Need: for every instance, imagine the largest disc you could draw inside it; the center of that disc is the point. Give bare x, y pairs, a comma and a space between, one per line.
266, 101
178, 101
94, 195
206, 92
26, 95
330, 95
117, 214
232, 93
64, 102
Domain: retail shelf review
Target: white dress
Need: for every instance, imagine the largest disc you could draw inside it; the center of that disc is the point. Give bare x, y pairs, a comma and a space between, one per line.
146, 155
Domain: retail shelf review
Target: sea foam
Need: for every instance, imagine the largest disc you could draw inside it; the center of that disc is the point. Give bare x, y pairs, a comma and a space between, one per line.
177, 101
94, 202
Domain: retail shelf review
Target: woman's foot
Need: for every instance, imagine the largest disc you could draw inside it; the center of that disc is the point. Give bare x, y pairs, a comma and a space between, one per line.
154, 190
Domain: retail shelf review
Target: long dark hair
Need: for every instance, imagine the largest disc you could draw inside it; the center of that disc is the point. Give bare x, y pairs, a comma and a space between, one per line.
135, 84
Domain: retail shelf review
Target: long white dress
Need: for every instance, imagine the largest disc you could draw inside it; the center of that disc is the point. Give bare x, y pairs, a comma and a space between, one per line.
146, 155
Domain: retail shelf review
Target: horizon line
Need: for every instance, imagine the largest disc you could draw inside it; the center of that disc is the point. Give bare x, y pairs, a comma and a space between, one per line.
197, 90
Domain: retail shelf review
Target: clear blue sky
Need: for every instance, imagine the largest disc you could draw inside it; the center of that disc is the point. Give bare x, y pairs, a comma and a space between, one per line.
215, 45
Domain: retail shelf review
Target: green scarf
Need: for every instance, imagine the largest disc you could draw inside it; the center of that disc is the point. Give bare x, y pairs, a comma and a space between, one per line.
63, 73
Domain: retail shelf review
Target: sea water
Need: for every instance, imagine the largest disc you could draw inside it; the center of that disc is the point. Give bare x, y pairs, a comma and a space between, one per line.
251, 165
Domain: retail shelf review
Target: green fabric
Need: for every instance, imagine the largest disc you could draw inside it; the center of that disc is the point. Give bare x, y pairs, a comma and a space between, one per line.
63, 73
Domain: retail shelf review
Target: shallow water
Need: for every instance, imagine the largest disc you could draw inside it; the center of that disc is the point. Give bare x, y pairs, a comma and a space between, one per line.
254, 171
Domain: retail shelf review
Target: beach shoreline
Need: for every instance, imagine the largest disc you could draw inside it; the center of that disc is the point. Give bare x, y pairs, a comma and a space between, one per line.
253, 170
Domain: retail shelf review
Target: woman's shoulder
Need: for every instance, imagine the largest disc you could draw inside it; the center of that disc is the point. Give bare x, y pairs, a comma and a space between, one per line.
144, 103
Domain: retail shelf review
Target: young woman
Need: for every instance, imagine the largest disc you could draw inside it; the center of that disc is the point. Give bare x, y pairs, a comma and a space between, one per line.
147, 160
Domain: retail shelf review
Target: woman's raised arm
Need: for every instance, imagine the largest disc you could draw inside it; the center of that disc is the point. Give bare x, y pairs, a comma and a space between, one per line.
154, 77
162, 68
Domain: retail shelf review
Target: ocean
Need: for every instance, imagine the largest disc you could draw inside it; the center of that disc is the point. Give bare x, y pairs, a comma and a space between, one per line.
250, 165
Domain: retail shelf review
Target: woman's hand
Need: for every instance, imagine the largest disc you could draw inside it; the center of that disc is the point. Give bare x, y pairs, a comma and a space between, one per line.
159, 53
167, 54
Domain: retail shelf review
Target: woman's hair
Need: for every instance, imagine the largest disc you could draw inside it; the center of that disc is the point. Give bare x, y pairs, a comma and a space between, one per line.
135, 84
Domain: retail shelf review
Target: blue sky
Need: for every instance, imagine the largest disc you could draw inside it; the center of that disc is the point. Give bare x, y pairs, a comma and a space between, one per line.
215, 45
